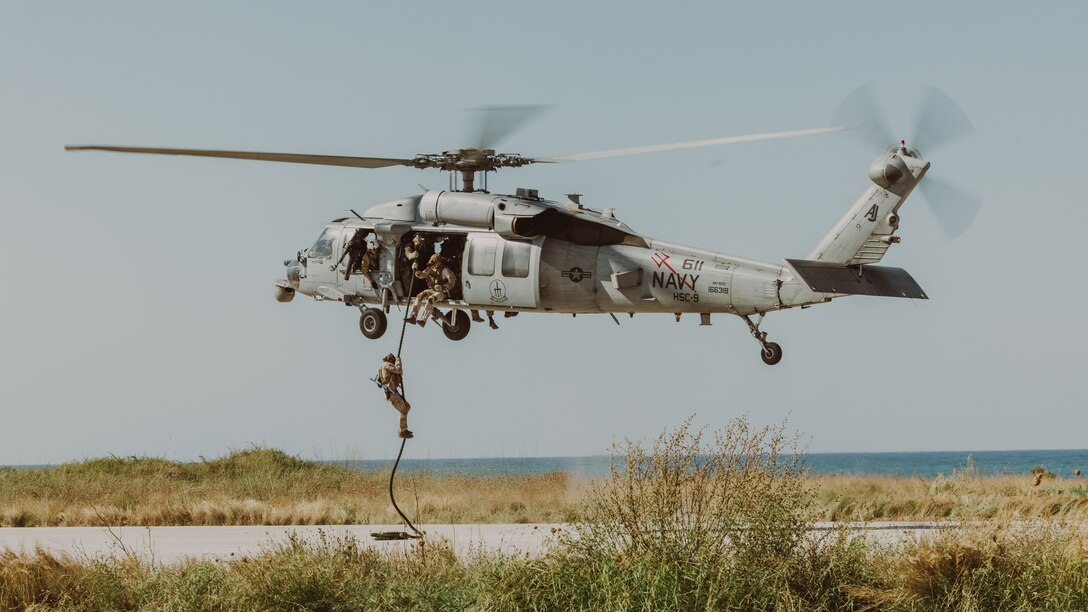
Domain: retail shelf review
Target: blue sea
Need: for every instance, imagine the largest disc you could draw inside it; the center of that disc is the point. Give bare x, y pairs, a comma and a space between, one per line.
902, 464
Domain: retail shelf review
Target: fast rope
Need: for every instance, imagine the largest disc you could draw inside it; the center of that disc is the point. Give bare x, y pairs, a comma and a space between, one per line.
400, 535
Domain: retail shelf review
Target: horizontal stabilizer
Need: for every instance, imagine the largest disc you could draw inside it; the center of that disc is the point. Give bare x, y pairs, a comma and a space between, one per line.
827, 277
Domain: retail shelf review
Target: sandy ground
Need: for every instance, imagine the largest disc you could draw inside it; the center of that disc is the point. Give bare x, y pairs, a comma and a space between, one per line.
171, 544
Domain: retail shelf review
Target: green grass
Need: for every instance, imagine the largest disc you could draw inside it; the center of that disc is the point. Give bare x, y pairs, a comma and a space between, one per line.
984, 569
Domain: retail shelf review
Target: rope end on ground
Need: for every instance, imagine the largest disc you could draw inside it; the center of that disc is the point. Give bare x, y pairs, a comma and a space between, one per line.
395, 535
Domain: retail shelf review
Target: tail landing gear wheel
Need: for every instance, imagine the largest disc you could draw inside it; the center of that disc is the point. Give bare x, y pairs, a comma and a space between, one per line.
459, 324
372, 323
771, 353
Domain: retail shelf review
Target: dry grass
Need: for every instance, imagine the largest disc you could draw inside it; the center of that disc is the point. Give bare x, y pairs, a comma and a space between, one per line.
268, 487
959, 497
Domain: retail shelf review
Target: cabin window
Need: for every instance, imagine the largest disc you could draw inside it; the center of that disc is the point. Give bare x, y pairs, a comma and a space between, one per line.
481, 257
323, 247
515, 258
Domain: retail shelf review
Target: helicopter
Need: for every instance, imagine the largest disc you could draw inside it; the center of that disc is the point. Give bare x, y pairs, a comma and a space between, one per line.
522, 253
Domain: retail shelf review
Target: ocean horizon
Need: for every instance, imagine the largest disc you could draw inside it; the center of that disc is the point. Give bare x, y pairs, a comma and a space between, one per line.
904, 464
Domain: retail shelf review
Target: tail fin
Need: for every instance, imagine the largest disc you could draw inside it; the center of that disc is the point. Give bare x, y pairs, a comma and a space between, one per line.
864, 234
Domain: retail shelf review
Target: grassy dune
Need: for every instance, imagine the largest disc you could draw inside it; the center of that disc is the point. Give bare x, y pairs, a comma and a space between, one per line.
693, 523
268, 487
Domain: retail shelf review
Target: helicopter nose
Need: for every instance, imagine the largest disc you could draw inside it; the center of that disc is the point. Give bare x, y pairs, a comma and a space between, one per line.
292, 272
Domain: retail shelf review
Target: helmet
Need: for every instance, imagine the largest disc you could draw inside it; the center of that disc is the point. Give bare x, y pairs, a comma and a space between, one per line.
436, 258
390, 358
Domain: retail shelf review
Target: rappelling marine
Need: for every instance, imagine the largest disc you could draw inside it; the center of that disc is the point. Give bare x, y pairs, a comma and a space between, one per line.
391, 379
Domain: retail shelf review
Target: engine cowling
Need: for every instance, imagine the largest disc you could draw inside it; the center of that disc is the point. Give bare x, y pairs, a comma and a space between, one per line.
458, 208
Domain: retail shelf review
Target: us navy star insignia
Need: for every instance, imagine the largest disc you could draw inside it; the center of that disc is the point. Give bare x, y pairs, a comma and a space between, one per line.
576, 274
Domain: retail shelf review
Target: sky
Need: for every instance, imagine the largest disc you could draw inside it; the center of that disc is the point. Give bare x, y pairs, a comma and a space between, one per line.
138, 315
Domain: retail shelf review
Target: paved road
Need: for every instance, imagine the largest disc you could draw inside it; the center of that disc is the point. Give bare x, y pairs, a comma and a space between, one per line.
171, 544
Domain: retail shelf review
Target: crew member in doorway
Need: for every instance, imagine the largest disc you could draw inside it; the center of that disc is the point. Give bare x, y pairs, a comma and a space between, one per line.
414, 249
391, 378
355, 252
371, 259
440, 282
371, 262
416, 253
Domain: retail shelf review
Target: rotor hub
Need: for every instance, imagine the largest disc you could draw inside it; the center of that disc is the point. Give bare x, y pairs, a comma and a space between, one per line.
470, 160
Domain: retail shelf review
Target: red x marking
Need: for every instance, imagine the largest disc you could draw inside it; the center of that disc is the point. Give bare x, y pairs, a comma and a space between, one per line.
661, 259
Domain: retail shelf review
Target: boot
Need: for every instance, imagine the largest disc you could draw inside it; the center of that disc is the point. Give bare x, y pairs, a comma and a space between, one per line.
404, 433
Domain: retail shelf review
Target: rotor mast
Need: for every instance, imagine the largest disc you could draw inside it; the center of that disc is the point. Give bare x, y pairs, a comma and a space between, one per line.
468, 177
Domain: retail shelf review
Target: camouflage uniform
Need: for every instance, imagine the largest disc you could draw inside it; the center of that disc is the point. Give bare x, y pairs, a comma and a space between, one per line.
391, 374
371, 260
416, 253
440, 282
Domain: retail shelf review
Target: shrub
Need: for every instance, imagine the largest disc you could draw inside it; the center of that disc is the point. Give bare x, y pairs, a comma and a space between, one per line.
687, 524
743, 494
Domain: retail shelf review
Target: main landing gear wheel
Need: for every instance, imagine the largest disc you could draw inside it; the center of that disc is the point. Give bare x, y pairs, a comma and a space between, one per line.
458, 326
372, 323
771, 353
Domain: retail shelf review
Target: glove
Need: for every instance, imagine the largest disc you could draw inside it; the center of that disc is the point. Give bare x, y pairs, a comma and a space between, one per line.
415, 265
333, 267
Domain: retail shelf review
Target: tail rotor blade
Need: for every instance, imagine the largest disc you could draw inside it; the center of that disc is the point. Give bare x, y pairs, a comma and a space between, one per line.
497, 122
954, 208
861, 112
939, 121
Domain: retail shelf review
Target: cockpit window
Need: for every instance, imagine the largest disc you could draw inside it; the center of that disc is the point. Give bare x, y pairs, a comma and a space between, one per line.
323, 247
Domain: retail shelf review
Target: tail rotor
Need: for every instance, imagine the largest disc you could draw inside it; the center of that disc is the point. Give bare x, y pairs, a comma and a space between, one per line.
938, 122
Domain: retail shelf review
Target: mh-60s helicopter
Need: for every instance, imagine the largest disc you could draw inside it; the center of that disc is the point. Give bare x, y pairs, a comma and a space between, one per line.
522, 253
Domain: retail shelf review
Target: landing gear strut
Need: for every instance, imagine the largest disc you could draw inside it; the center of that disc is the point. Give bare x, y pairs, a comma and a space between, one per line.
771, 352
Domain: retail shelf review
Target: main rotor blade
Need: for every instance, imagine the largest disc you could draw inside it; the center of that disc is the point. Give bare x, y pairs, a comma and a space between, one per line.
861, 112
693, 144
939, 121
955, 208
497, 122
294, 158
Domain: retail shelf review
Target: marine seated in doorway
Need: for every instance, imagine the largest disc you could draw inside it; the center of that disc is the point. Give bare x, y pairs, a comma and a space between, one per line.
441, 282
